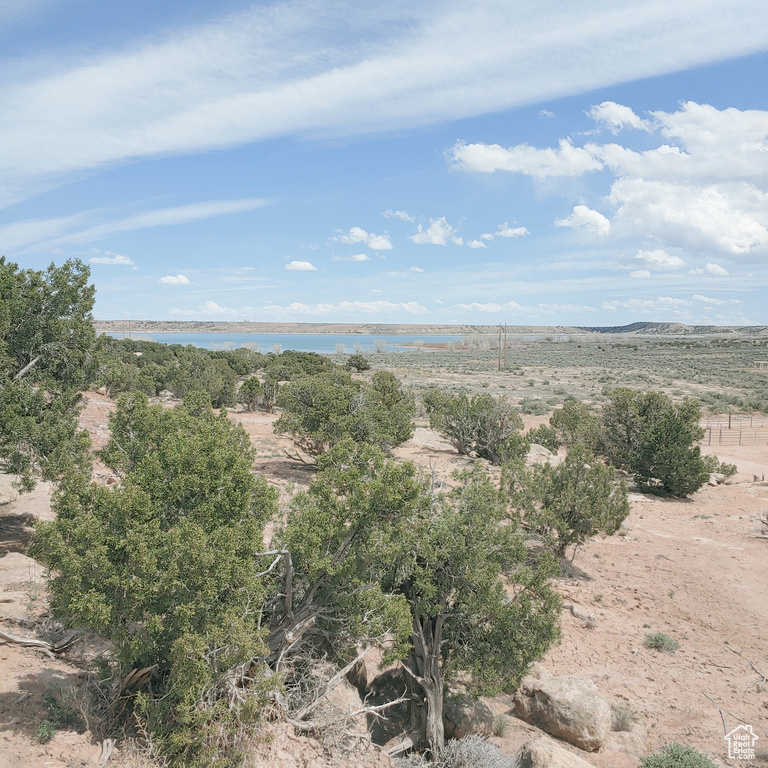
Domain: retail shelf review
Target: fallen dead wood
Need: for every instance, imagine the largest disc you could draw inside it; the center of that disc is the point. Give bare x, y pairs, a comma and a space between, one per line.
41, 645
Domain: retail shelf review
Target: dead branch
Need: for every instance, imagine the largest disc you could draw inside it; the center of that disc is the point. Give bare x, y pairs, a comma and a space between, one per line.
27, 368
405, 745
137, 678
308, 726
329, 686
722, 714
297, 457
41, 645
106, 751
765, 679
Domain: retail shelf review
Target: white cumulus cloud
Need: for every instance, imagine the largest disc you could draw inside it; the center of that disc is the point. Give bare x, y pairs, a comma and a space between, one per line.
476, 244
567, 160
616, 117
174, 280
584, 218
699, 218
439, 232
715, 302
301, 266
506, 231
710, 269
211, 309
660, 259
640, 274
359, 235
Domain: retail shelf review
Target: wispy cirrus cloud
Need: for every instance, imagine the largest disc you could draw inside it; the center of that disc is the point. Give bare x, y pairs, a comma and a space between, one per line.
287, 68
111, 258
355, 257
343, 309
52, 233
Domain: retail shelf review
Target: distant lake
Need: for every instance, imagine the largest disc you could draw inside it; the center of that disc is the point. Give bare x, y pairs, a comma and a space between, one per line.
322, 343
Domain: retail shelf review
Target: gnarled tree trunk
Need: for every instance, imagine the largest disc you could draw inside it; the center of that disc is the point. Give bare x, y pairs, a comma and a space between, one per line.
426, 672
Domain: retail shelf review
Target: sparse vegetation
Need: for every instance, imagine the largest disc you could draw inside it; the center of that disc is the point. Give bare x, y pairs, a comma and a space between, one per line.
167, 563
676, 756
470, 752
623, 716
659, 641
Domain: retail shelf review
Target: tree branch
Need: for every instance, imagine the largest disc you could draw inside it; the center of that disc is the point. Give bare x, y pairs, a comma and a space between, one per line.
27, 368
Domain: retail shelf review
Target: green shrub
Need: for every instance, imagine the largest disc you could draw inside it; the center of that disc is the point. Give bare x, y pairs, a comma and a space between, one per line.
435, 399
46, 359
566, 504
712, 464
660, 641
46, 730
250, 393
533, 406
320, 411
196, 371
483, 424
676, 756
575, 424
358, 362
544, 435
655, 438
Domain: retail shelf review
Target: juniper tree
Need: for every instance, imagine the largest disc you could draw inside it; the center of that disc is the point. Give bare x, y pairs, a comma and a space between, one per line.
164, 564
46, 345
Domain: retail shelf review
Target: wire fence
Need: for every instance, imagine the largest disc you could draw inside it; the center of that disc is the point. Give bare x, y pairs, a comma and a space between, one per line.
725, 436
737, 422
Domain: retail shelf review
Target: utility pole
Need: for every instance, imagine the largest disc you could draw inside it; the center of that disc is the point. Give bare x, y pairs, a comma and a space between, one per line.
506, 368
499, 346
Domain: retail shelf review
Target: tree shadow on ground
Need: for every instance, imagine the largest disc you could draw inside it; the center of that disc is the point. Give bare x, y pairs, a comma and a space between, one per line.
15, 532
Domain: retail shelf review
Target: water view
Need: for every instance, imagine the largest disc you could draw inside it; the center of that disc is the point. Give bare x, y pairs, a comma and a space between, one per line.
322, 343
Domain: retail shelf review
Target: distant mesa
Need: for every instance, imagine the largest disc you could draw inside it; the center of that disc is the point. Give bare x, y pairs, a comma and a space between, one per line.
422, 329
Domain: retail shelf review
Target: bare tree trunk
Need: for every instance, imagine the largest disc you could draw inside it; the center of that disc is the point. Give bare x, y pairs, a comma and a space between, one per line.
425, 670
434, 731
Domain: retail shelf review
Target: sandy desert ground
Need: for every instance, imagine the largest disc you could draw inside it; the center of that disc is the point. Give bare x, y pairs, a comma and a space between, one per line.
694, 569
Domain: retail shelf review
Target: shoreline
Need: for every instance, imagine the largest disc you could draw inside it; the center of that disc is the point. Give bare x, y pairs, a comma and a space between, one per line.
363, 329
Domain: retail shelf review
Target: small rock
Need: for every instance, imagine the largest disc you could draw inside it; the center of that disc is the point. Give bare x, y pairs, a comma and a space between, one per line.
544, 753
464, 715
628, 742
568, 707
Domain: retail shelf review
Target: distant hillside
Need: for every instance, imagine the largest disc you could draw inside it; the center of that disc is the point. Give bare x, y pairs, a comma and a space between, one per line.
368, 329
420, 329
680, 329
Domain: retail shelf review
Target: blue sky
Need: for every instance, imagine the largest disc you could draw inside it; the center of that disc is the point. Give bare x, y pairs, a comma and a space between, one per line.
525, 162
